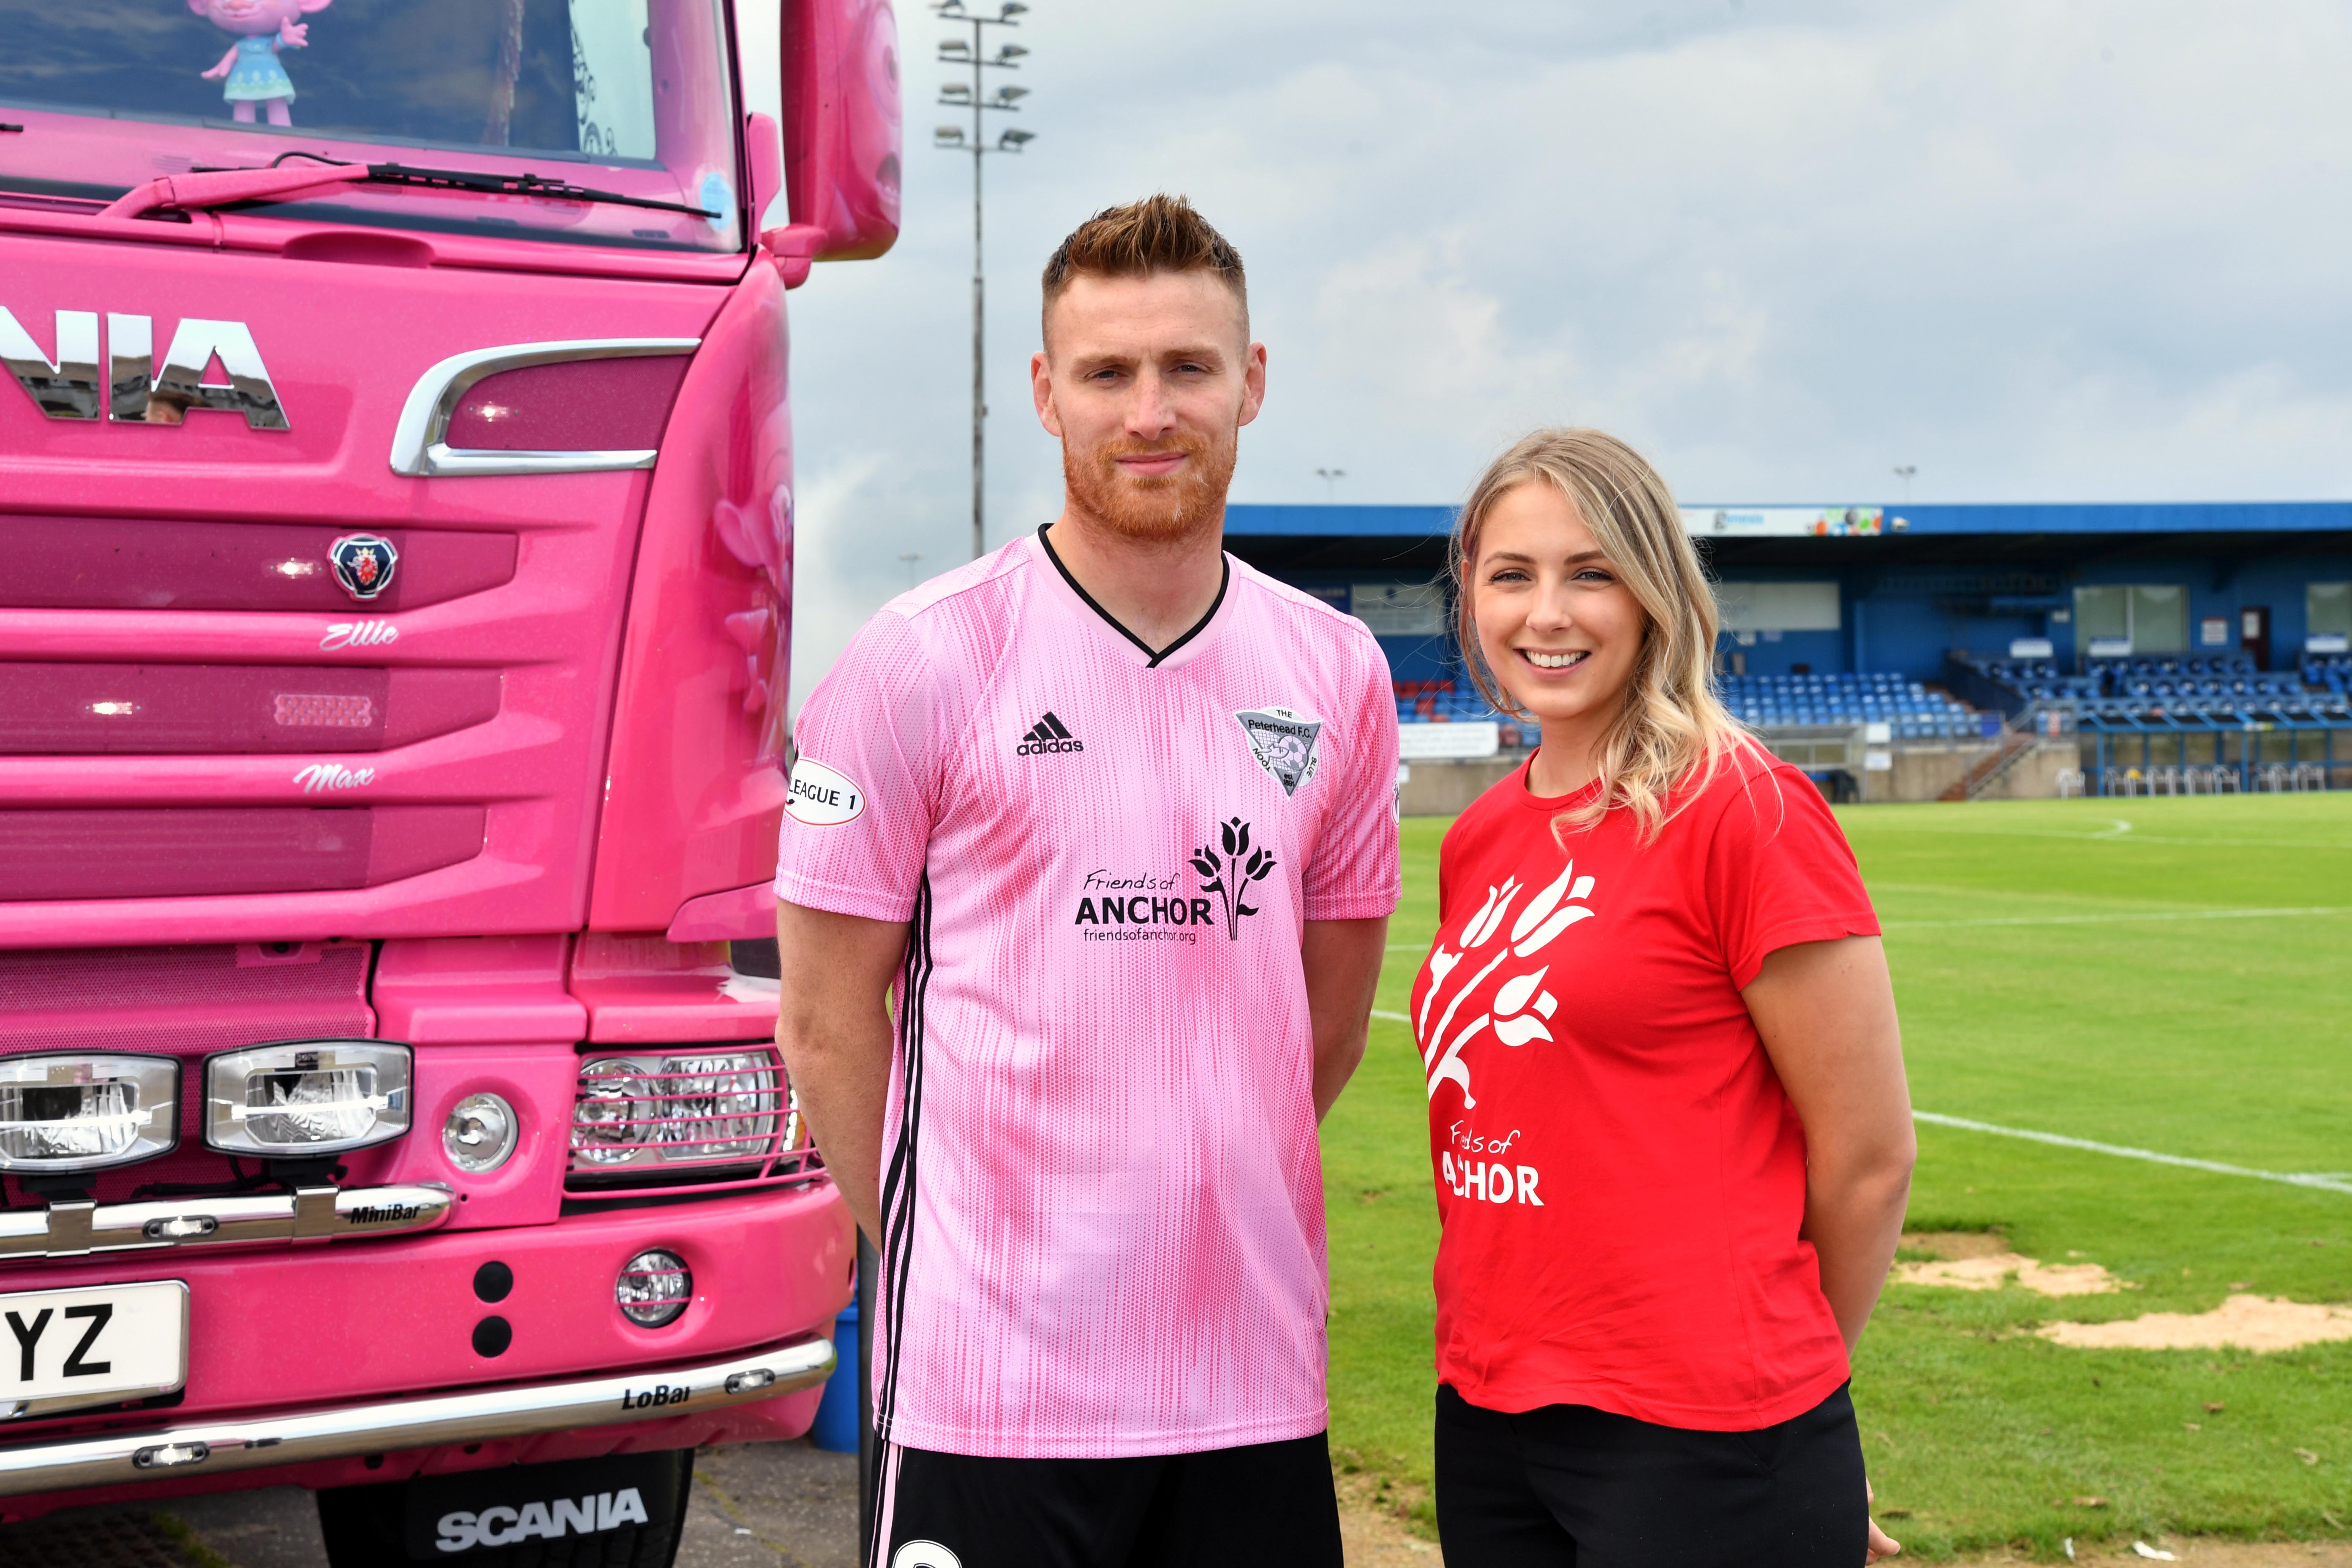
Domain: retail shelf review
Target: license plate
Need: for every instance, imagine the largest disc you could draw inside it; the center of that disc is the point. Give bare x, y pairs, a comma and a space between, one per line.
103, 1345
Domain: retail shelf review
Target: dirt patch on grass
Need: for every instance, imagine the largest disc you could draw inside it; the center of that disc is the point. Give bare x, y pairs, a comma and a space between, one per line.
2249, 1322
1952, 1244
1981, 1260
1373, 1528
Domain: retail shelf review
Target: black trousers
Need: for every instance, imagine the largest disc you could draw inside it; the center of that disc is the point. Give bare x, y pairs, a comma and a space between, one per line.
1568, 1486
1265, 1505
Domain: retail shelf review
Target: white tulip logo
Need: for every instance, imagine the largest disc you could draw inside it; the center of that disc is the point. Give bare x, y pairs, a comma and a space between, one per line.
1521, 1007
1512, 998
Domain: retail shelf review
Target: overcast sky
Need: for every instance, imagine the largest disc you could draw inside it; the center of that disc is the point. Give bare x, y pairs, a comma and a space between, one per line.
2041, 249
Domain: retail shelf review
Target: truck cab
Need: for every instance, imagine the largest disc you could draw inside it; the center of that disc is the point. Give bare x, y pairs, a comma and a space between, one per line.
396, 583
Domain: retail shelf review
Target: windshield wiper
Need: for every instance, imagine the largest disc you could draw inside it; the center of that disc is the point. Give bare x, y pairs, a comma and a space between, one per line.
516, 186
204, 187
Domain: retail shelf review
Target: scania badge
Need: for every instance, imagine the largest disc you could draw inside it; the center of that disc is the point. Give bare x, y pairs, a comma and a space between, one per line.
363, 563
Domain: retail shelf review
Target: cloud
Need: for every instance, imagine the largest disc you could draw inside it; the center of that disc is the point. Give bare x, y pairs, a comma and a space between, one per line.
2040, 250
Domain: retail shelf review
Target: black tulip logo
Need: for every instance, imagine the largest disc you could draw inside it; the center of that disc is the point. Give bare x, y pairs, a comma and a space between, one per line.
1231, 880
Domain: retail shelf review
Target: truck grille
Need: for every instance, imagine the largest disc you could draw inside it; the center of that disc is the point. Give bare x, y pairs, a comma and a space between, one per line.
157, 709
127, 563
202, 710
174, 852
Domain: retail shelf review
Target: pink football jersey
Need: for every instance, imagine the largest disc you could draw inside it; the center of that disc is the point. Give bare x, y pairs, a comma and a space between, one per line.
1102, 1200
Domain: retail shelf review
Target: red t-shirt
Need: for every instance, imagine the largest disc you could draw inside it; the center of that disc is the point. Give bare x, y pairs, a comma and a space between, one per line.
1620, 1176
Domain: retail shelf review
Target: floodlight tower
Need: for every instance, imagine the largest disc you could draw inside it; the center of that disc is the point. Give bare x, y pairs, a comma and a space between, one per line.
1007, 99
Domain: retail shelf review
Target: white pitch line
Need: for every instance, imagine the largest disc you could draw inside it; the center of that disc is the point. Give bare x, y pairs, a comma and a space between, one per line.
2326, 1180
1400, 1017
2254, 914
2117, 919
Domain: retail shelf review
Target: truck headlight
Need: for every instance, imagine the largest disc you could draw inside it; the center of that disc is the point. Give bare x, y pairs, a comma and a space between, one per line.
84, 1113
611, 1114
307, 1097
688, 1106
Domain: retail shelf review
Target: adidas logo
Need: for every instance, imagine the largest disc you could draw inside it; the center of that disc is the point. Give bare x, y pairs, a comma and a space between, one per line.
1048, 734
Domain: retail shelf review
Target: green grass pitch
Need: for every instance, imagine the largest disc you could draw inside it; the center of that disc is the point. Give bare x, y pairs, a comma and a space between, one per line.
2168, 975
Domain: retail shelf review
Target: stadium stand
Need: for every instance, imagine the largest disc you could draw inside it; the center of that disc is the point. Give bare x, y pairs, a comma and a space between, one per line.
1446, 702
2013, 649
1911, 711
1910, 708
2328, 671
2225, 689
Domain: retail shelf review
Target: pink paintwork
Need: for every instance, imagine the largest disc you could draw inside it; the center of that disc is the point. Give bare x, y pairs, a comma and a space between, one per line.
842, 123
509, 810
717, 543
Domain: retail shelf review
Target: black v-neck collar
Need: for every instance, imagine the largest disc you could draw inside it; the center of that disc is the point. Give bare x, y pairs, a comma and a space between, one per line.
1224, 581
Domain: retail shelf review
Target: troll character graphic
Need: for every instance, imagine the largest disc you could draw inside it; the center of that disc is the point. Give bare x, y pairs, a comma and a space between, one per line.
254, 76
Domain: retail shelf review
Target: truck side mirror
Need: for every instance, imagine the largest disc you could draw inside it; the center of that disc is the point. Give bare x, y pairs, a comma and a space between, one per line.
841, 132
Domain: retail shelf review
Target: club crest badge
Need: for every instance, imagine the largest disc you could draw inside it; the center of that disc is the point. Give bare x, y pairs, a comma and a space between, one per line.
364, 564
1283, 741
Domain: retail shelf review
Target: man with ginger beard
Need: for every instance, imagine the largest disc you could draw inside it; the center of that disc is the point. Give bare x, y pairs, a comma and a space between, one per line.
1110, 815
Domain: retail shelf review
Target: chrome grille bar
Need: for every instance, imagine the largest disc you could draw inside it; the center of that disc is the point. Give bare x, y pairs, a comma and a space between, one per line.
250, 1442
307, 1213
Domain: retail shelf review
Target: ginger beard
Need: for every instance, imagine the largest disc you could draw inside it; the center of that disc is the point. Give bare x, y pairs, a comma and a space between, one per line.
1152, 509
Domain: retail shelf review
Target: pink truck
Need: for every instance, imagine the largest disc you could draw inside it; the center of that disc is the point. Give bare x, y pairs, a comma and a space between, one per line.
396, 569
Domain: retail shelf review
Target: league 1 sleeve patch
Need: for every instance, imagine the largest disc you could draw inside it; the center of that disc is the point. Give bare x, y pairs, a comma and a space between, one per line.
821, 797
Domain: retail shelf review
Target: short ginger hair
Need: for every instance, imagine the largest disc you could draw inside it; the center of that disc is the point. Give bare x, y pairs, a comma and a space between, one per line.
1159, 234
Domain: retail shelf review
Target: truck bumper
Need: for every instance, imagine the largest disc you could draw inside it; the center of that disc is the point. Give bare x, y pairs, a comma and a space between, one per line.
294, 1437
342, 1338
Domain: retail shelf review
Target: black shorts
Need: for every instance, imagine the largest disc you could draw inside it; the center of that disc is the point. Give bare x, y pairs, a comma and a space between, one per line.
1568, 1486
1267, 1505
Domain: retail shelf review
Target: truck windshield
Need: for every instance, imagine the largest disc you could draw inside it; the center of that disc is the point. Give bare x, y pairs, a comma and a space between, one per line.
632, 97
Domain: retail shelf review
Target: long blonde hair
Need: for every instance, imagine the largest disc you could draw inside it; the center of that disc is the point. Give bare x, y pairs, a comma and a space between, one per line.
1672, 731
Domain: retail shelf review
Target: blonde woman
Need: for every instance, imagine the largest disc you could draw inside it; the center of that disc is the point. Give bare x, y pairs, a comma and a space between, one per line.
1667, 1111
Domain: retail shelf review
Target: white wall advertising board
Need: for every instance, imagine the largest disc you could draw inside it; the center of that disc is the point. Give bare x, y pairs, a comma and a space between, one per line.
1449, 742
1785, 521
1777, 607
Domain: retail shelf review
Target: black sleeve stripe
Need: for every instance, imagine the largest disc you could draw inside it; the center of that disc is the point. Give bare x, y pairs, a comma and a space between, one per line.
899, 1182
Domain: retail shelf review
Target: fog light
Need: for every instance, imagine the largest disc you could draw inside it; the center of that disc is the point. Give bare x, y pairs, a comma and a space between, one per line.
653, 1288
480, 1133
85, 1113
307, 1097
